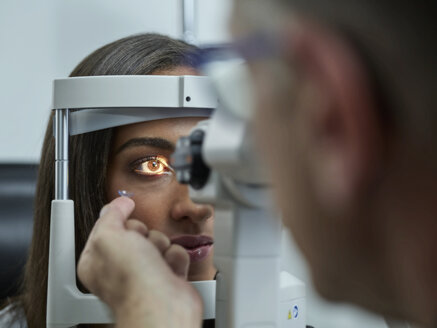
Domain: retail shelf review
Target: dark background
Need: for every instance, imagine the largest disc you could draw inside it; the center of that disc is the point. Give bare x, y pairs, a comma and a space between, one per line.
17, 191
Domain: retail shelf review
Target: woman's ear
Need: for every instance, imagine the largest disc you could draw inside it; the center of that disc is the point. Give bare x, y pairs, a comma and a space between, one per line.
343, 130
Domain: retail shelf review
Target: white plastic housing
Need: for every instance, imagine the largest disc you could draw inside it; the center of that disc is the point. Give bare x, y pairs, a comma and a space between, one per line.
66, 305
133, 91
101, 102
292, 308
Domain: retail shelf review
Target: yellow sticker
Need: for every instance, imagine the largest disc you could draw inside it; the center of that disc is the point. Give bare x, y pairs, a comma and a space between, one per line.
289, 314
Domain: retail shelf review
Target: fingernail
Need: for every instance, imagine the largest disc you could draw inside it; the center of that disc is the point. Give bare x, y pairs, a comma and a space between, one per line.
124, 204
104, 210
124, 193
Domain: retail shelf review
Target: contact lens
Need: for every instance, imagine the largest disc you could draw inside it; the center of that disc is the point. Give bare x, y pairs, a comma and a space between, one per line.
124, 193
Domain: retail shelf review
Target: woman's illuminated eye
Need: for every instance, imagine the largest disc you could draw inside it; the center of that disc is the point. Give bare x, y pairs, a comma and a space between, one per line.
152, 166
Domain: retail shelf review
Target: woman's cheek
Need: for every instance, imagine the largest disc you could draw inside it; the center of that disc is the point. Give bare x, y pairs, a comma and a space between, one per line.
152, 209
210, 226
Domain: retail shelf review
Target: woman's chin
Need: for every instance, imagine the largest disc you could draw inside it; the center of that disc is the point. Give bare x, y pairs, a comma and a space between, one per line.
200, 271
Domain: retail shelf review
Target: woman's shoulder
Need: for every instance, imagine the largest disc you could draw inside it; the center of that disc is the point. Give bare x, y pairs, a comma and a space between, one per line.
12, 316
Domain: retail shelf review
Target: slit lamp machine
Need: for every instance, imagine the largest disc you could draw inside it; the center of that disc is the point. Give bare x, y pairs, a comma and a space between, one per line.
217, 161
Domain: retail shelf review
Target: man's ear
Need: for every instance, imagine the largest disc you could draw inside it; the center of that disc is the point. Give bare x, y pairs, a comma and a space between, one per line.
344, 130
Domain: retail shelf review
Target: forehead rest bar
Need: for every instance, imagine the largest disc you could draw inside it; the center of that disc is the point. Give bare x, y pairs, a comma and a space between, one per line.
100, 102
88, 120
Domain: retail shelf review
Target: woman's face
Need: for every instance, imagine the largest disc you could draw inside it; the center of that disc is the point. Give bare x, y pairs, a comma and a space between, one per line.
139, 164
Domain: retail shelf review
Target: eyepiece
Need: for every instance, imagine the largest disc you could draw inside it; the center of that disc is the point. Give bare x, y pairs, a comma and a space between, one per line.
187, 160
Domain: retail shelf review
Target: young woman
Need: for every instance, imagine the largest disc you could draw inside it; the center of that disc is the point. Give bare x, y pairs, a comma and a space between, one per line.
134, 158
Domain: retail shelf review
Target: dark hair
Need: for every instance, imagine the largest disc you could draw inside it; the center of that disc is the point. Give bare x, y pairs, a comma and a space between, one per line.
135, 55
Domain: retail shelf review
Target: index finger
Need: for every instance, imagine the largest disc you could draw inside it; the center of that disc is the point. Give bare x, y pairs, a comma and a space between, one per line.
117, 212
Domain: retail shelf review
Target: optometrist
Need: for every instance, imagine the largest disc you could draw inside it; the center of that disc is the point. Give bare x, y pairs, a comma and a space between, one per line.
346, 102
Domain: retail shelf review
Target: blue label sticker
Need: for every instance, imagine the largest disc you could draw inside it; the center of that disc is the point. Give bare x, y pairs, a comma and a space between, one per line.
295, 311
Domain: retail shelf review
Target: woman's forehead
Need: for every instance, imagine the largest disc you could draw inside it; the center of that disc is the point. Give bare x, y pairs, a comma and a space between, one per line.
179, 70
171, 129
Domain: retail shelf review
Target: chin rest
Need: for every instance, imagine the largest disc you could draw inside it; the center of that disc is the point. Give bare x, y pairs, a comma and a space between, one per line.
17, 191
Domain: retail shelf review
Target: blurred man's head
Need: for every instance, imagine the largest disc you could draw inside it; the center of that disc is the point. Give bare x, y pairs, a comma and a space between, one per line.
347, 118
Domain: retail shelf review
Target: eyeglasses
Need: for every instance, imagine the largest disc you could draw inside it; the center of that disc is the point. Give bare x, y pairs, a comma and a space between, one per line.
263, 45
256, 46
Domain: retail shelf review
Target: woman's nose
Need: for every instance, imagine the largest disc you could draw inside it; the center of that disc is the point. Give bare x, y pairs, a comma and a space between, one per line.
186, 209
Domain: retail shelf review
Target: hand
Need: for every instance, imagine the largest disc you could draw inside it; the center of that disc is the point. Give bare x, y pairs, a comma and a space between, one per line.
137, 272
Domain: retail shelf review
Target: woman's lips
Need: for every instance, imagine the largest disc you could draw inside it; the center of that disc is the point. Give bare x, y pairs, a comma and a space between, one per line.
197, 247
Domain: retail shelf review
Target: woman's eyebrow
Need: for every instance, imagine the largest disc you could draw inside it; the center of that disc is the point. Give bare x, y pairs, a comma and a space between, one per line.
152, 142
